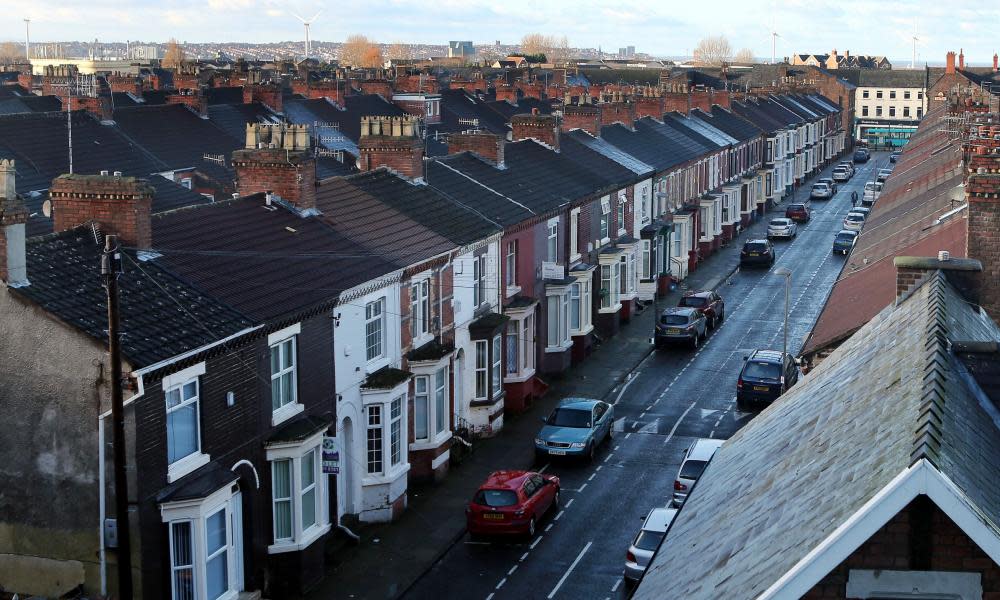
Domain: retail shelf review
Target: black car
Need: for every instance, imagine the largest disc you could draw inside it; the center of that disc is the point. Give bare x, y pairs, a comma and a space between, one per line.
894, 156
681, 324
861, 156
757, 253
766, 374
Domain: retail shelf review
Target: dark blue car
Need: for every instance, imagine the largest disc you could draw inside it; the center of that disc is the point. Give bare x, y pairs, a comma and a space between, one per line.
575, 428
844, 241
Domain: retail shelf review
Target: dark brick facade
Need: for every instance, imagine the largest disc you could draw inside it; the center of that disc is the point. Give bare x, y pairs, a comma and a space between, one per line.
121, 205
983, 242
289, 174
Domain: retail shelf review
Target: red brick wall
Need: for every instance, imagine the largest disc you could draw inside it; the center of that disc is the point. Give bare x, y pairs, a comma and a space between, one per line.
679, 102
124, 83
618, 112
267, 94
377, 86
289, 175
486, 145
507, 92
920, 537
586, 117
471, 86
403, 155
120, 206
540, 127
649, 107
195, 99
185, 81
531, 90
983, 241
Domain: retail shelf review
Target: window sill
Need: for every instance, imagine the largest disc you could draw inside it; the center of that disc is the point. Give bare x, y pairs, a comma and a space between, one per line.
432, 444
375, 364
394, 474
421, 339
621, 232
610, 310
489, 402
605, 240
574, 258
513, 290
578, 332
309, 536
520, 377
286, 412
188, 464
560, 348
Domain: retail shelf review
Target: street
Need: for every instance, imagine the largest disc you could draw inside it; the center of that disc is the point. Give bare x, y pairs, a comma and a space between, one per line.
674, 397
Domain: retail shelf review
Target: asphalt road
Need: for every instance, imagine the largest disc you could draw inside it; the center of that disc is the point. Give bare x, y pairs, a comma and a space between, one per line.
674, 397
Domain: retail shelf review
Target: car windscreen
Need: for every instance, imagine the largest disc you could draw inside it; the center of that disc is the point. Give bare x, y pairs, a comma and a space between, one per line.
569, 417
755, 246
779, 222
844, 237
496, 498
761, 370
855, 217
692, 469
796, 207
819, 186
694, 301
674, 319
648, 540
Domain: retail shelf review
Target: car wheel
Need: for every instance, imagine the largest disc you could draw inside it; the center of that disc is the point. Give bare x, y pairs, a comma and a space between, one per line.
740, 405
722, 315
531, 528
555, 501
591, 452
694, 340
711, 323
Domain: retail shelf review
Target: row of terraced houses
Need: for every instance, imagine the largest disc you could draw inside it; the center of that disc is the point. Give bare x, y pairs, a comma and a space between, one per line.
324, 297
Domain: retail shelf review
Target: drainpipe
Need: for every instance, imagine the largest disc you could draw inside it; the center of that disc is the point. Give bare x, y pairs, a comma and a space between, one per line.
100, 503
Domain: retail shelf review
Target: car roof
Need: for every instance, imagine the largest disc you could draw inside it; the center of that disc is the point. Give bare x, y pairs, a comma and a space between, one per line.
680, 310
780, 219
848, 232
703, 449
802, 204
698, 294
854, 214
755, 241
659, 519
587, 403
766, 356
505, 480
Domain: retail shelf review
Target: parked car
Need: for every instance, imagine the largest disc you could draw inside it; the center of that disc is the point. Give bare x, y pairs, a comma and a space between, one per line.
680, 324
854, 222
864, 211
781, 228
849, 165
844, 241
707, 303
756, 253
798, 212
861, 155
867, 202
873, 189
766, 375
830, 182
575, 428
640, 552
895, 156
841, 174
696, 458
821, 191
511, 503
883, 174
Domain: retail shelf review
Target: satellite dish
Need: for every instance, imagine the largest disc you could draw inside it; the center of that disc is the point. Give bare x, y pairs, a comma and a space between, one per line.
47, 208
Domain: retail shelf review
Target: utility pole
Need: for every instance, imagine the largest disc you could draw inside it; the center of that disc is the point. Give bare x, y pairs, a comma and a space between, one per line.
27, 40
111, 269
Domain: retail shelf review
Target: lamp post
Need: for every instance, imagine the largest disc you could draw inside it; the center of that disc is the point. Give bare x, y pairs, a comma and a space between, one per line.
787, 274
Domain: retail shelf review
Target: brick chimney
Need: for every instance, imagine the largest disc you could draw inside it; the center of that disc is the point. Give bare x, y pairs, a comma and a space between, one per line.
13, 216
487, 146
949, 63
982, 191
121, 205
583, 116
961, 59
543, 128
268, 94
278, 159
912, 271
676, 98
650, 104
381, 87
996, 62
392, 142
617, 109
507, 92
196, 100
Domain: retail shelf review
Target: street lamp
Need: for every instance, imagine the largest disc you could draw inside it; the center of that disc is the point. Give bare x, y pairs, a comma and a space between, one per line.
787, 274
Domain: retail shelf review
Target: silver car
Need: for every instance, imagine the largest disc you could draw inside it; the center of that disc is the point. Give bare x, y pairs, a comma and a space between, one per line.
654, 527
821, 191
781, 228
854, 221
696, 458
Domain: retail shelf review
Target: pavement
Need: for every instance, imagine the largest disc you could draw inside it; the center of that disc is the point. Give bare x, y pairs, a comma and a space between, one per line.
424, 554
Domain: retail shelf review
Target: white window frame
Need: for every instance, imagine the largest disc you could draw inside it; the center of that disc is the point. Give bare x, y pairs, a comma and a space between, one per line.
195, 513
376, 425
574, 235
605, 220
496, 370
610, 272
557, 316
186, 464
528, 343
583, 283
276, 340
552, 242
373, 318
437, 377
520, 329
481, 369
647, 255
422, 399
622, 212
511, 269
420, 312
397, 433
479, 274
296, 451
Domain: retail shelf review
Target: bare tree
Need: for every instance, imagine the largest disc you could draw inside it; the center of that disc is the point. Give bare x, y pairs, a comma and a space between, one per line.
534, 43
353, 50
9, 50
713, 51
558, 52
744, 57
372, 58
174, 56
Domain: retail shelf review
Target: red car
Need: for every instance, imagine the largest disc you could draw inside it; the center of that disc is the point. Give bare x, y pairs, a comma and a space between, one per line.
512, 503
709, 304
797, 212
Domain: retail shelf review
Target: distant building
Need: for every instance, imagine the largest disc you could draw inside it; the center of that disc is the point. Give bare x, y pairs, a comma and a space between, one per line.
833, 60
461, 50
889, 104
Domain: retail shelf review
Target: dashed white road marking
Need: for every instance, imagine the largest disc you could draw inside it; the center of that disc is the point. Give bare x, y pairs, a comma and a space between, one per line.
614, 588
568, 504
548, 527
542, 470
490, 597
524, 556
535, 543
502, 581
592, 475
582, 487
677, 424
570, 569
511, 572
559, 515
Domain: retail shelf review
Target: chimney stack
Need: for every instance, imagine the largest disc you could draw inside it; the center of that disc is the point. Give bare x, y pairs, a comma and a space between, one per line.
912, 271
582, 116
996, 63
539, 127
961, 59
982, 191
949, 63
278, 158
121, 205
487, 146
392, 142
13, 216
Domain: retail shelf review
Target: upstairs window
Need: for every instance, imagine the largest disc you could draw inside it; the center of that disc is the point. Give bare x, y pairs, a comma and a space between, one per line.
375, 329
511, 266
552, 245
283, 384
605, 218
420, 308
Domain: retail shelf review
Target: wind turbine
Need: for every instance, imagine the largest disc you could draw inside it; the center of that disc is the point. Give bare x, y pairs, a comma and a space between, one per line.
306, 24
774, 33
913, 61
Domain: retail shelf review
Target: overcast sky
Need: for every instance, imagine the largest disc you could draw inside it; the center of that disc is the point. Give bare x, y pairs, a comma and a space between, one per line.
667, 27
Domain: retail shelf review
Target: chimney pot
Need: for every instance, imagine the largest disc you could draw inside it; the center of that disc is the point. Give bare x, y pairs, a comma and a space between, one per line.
104, 173
943, 255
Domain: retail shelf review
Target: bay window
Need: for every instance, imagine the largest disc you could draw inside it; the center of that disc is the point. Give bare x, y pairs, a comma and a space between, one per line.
520, 344
395, 431
557, 319
512, 348
489, 368
610, 286
528, 343
440, 399
574, 306
299, 506
421, 408
374, 439
580, 316
496, 372
430, 405
482, 369
647, 254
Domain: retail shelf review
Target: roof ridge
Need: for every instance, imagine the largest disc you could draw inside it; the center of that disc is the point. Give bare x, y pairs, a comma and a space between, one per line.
928, 434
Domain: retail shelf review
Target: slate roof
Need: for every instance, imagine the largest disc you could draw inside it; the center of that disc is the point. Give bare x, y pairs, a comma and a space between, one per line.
727, 121
267, 262
924, 187
28, 104
121, 100
306, 112
795, 473
161, 315
600, 145
224, 95
587, 157
176, 135
885, 78
461, 111
469, 180
701, 128
327, 166
39, 144
233, 118
170, 195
